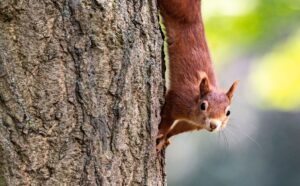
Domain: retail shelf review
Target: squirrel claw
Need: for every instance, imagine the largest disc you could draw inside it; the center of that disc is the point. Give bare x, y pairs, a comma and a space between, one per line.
162, 143
160, 136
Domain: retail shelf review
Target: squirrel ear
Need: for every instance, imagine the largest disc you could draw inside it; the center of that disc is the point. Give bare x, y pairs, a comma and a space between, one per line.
204, 86
232, 89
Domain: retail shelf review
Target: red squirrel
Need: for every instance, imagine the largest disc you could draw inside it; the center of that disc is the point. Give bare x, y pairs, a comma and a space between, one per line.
193, 100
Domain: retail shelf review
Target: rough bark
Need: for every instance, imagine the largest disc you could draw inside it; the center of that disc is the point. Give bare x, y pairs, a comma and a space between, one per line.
80, 92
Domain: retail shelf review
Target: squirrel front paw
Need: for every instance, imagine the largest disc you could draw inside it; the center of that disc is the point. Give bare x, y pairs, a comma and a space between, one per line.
161, 142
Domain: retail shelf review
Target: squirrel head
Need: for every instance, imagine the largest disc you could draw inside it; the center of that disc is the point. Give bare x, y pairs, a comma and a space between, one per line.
213, 106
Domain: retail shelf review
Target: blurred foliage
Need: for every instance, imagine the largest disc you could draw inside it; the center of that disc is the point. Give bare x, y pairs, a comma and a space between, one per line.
277, 76
259, 30
258, 26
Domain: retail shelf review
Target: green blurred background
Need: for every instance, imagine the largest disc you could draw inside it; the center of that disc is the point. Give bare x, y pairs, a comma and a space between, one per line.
257, 42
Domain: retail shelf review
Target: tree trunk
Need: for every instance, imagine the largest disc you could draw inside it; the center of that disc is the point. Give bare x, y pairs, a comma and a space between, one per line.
81, 89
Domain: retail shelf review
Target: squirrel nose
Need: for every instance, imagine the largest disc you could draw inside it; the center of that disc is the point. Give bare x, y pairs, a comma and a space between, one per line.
213, 126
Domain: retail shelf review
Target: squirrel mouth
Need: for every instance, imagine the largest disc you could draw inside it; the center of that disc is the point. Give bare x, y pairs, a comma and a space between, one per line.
212, 130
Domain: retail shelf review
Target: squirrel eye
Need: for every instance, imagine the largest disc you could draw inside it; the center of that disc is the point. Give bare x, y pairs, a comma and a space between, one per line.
228, 113
203, 106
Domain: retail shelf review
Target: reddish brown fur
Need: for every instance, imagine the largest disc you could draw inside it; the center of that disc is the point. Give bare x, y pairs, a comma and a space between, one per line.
188, 50
189, 60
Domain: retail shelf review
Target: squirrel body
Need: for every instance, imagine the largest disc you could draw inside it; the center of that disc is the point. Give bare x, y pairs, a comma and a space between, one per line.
193, 100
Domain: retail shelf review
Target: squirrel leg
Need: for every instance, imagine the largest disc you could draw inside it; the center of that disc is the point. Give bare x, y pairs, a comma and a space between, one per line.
177, 127
181, 127
164, 129
167, 118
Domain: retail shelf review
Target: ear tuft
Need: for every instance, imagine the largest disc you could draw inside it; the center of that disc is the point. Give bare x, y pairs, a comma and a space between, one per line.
232, 89
204, 86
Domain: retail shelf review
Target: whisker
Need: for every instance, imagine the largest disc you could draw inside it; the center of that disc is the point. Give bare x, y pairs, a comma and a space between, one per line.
233, 119
221, 133
245, 134
254, 141
225, 139
220, 138
231, 126
231, 132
